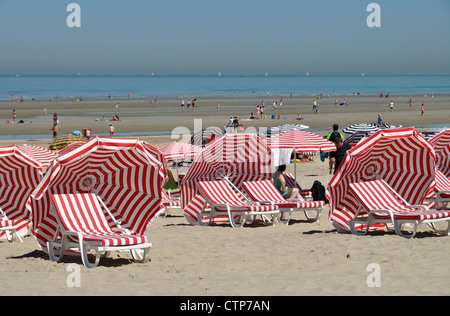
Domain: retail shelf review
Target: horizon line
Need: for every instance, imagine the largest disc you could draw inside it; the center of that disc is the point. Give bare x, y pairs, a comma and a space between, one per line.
208, 75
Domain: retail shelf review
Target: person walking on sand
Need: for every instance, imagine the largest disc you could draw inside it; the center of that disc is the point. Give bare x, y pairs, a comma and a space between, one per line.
55, 131
391, 106
14, 116
112, 130
423, 109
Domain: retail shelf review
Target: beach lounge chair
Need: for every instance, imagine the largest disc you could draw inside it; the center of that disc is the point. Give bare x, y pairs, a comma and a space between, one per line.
384, 206
83, 225
169, 202
265, 192
224, 201
7, 226
292, 183
441, 191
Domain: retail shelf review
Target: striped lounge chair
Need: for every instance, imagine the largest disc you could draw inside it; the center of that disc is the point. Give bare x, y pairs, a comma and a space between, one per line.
292, 183
83, 225
441, 192
265, 192
384, 206
224, 201
169, 202
7, 226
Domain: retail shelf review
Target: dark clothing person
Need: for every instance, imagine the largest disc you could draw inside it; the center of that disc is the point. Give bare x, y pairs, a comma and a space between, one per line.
342, 149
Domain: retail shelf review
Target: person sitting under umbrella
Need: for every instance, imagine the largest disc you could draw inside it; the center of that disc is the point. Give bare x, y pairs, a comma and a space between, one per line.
280, 183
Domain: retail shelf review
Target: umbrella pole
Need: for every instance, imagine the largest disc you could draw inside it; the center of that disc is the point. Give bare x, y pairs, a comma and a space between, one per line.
295, 164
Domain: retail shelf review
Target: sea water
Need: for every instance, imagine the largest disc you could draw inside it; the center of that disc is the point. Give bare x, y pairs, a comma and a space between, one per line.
103, 87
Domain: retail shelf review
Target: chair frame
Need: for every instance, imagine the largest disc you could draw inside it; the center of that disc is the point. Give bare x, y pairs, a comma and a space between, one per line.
370, 219
10, 230
169, 202
231, 212
140, 252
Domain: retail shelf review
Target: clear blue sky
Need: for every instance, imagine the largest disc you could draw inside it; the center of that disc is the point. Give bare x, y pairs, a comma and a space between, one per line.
228, 36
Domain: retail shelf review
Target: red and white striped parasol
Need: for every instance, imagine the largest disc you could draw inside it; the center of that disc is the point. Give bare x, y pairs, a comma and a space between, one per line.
69, 147
20, 174
41, 154
283, 144
127, 174
237, 157
179, 151
441, 145
401, 157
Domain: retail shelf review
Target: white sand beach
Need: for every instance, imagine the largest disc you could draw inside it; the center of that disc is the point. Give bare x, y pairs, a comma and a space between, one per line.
302, 258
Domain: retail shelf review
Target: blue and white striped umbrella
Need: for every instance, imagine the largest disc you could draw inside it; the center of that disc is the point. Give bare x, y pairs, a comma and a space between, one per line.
362, 127
286, 128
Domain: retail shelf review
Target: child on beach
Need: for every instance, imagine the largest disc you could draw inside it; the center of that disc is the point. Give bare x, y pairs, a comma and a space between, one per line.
112, 130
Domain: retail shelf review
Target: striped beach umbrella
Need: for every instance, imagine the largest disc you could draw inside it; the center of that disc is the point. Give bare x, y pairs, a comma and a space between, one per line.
179, 151
441, 145
286, 128
361, 128
282, 145
203, 137
300, 141
127, 174
401, 157
63, 141
20, 174
236, 157
41, 154
69, 147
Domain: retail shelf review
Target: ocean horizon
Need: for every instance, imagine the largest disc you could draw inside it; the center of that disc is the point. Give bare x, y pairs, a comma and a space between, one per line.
44, 87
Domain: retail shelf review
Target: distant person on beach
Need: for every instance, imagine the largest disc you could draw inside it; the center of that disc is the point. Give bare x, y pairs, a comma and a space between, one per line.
112, 130
380, 120
87, 133
14, 116
55, 131
391, 106
422, 109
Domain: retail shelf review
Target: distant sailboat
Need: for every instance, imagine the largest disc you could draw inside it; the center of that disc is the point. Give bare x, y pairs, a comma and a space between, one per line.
267, 74
363, 74
307, 74
220, 74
